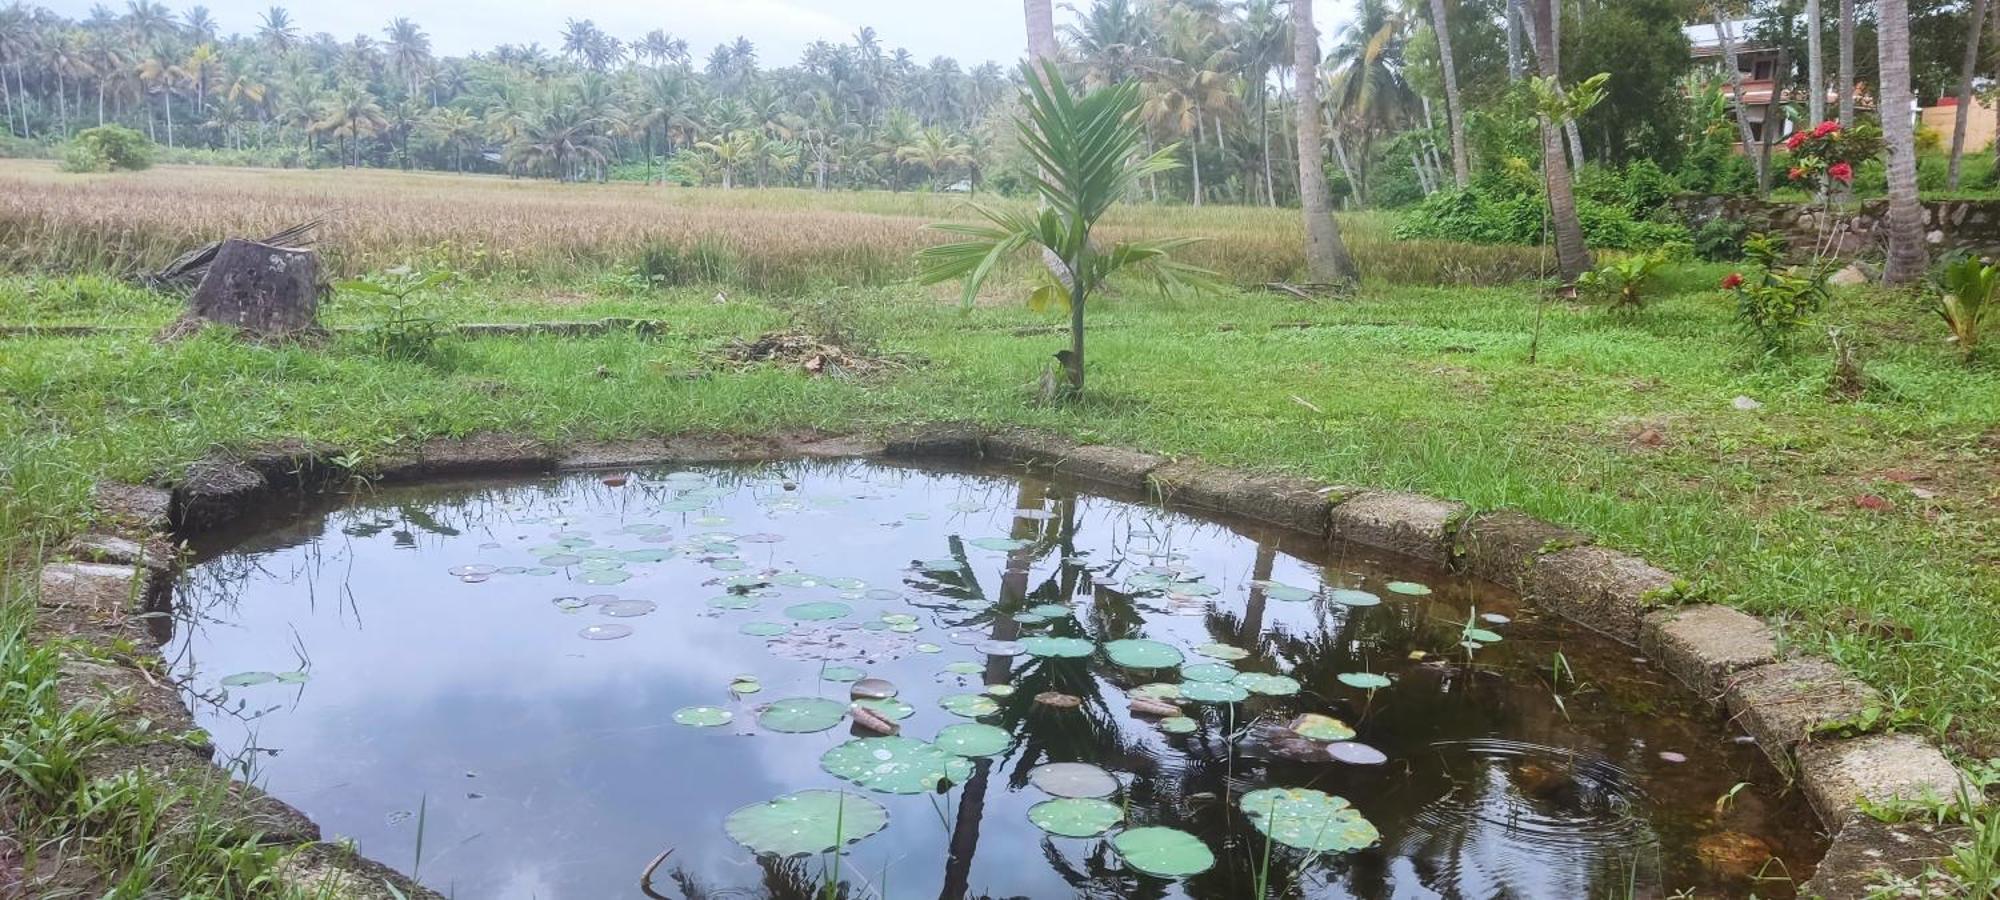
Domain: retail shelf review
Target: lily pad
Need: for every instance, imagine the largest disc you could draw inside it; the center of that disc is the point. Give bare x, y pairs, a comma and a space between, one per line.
888, 708
1143, 654
249, 679
871, 689
972, 739
895, 765
646, 555
1051, 610
1352, 597
1073, 779
1209, 672
1313, 821
1158, 690
703, 716
732, 601
1288, 593
963, 667
929, 648
1213, 692
1065, 647
818, 610
801, 715
1367, 681
1315, 726
1000, 648
744, 686
1222, 652
560, 560
605, 576
842, 673
604, 632
1356, 754
1268, 685
1178, 725
626, 609
1076, 817
1193, 589
764, 629
1163, 852
998, 543
971, 706
1408, 588
805, 823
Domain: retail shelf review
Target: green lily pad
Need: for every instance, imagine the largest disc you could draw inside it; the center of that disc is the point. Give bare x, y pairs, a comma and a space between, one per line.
888, 708
1222, 652
560, 560
1210, 672
1163, 852
732, 601
998, 543
972, 739
1310, 820
249, 679
745, 687
1076, 817
1268, 685
1213, 692
818, 610
1317, 727
1193, 589
1029, 617
605, 576
1367, 681
1352, 597
963, 667
971, 706
842, 673
805, 823
293, 677
1178, 725
647, 555
796, 579
895, 765
703, 716
802, 715
1158, 690
1050, 610
1408, 588
945, 564
929, 648
764, 629
1278, 590
728, 565
1066, 647
1073, 779
1142, 654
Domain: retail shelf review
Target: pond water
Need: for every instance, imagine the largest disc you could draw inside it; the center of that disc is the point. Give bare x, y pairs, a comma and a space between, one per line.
533, 688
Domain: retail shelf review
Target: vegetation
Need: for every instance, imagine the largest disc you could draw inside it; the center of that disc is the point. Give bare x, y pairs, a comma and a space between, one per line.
107, 148
1968, 292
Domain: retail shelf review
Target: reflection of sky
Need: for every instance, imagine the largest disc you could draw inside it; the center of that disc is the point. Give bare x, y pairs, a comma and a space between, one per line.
548, 766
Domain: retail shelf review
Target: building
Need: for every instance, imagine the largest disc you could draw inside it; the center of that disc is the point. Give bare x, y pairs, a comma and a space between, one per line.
1980, 124
1760, 65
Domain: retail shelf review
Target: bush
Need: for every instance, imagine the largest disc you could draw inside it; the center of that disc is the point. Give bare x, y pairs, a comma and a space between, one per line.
1720, 240
107, 148
1483, 215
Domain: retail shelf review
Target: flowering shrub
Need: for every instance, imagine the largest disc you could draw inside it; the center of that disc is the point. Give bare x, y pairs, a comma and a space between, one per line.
1772, 304
1826, 155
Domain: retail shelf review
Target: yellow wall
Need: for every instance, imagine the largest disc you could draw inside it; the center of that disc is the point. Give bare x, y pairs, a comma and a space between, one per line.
1978, 130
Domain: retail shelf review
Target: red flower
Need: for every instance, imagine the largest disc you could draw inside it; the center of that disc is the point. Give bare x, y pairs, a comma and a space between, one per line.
1732, 281
1793, 142
1825, 128
1796, 174
1840, 172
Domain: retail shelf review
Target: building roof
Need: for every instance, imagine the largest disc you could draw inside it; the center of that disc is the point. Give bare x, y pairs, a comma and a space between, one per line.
1703, 39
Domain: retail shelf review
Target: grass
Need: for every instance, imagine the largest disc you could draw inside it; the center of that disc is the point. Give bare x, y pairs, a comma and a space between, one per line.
537, 231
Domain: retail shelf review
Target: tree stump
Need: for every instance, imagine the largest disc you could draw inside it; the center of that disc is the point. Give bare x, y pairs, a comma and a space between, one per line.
264, 292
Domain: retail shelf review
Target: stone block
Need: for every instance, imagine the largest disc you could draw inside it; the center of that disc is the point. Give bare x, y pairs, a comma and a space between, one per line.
151, 553
1027, 448
215, 491
961, 442
1704, 646
134, 507
1113, 466
1599, 588
1500, 546
142, 705
1413, 525
105, 589
241, 810
1867, 853
1841, 776
1787, 702
1296, 504
335, 872
478, 454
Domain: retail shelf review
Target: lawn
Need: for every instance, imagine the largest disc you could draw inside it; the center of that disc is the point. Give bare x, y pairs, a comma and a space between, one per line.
1864, 525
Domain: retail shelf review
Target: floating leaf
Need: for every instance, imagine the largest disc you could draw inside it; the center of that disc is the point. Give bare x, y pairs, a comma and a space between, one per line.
842, 673
1321, 727
1278, 590
1408, 588
745, 687
1000, 648
963, 667
929, 648
801, 715
1352, 597
1058, 699
1268, 685
1222, 652
1210, 672
971, 706
732, 601
764, 629
1494, 619
1158, 690
604, 632
1163, 852
570, 603
1178, 725
625, 609
818, 610
1213, 692
1000, 690
703, 716
293, 677
1073, 779
1067, 647
605, 576
871, 689
249, 679
895, 765
1313, 821
946, 564
1356, 754
560, 560
972, 739
1030, 617
1367, 681
1076, 817
888, 708
998, 543
805, 823
1142, 654
647, 555
1050, 610
1193, 589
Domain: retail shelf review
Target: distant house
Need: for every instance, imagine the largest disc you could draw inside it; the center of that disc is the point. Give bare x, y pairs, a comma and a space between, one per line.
1979, 124
1759, 64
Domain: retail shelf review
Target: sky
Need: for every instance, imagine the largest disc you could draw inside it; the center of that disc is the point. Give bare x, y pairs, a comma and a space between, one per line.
971, 31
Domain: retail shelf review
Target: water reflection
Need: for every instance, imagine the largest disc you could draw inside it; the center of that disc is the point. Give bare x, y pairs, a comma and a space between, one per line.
550, 767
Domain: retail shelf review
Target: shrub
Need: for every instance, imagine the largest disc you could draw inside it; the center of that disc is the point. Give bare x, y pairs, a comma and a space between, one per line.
1772, 305
1479, 215
1720, 240
1968, 290
1625, 281
107, 148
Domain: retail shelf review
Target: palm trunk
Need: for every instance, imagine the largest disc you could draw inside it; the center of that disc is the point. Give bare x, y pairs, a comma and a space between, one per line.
1461, 166
1728, 40
1194, 155
1555, 74
1572, 256
1965, 107
1326, 256
1264, 141
1907, 255
1815, 67
1516, 67
1846, 62
1076, 298
100, 101
62, 106
1774, 121
7, 94
167, 100
1041, 30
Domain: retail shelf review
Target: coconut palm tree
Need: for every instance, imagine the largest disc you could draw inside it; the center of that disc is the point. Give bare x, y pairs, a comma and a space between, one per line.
936, 151
1461, 166
161, 77
1907, 255
1088, 151
409, 50
276, 30
350, 114
1846, 62
1572, 255
1815, 64
1965, 107
1367, 92
456, 130
730, 152
202, 67
1041, 32
18, 38
1327, 259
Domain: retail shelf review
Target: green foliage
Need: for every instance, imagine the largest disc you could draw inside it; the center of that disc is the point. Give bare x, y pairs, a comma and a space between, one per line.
1720, 239
1968, 290
1626, 282
1772, 305
406, 333
1641, 45
1504, 209
107, 148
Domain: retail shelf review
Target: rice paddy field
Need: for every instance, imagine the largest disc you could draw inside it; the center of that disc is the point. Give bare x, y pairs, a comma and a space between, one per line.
1864, 523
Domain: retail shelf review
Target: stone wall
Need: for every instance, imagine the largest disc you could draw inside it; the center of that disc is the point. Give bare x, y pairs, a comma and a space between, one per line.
1972, 225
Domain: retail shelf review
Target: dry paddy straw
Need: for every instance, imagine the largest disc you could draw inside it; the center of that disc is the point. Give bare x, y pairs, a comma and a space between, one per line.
767, 239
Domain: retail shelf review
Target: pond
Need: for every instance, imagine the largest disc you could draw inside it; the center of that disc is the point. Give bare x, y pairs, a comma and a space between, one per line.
535, 687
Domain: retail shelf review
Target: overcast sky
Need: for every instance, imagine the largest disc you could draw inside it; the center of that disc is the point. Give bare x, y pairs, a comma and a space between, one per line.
972, 31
